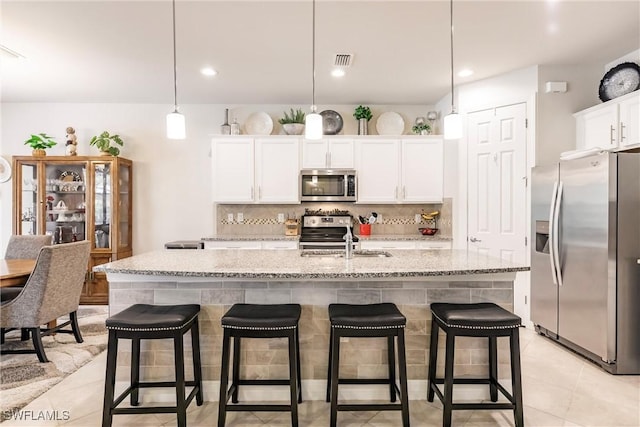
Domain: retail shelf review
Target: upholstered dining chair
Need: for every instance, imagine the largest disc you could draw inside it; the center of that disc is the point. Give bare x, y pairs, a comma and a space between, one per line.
26, 247
22, 247
52, 290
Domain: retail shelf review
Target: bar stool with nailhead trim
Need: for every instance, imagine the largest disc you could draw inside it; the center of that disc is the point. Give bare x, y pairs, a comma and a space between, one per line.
475, 320
259, 321
149, 322
368, 320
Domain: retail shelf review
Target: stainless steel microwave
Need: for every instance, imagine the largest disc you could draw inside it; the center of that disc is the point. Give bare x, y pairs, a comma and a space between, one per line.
328, 185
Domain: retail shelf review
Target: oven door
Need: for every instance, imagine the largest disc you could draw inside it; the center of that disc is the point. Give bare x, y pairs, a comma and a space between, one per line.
327, 186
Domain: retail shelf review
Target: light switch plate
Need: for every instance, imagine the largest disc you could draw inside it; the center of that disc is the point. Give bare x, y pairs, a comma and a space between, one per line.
281, 218
240, 217
230, 217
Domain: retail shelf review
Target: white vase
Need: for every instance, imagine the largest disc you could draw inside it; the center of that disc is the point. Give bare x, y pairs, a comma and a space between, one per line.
293, 128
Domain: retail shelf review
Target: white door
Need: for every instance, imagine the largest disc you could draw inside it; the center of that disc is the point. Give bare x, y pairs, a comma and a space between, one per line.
232, 164
497, 182
378, 166
422, 170
277, 169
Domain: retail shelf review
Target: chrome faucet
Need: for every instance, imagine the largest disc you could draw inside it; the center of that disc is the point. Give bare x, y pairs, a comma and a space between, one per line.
348, 243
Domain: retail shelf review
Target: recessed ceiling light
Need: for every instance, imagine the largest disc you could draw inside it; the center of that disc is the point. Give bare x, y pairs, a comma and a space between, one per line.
208, 71
338, 72
465, 73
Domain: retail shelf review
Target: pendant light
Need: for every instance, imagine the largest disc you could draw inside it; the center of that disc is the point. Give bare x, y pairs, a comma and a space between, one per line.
175, 120
313, 121
452, 122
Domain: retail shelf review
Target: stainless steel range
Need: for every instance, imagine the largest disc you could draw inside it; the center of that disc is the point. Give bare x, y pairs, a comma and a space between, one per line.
325, 229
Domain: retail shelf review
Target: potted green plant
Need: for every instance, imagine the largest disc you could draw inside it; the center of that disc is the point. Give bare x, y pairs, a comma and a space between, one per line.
39, 143
421, 129
293, 124
103, 143
362, 115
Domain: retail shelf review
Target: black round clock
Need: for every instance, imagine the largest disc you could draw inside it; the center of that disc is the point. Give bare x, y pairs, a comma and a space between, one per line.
620, 80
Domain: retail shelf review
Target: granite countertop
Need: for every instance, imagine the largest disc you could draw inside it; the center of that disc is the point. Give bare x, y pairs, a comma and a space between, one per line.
288, 264
252, 237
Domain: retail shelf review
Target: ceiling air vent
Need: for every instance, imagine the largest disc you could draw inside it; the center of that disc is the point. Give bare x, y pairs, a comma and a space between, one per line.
342, 60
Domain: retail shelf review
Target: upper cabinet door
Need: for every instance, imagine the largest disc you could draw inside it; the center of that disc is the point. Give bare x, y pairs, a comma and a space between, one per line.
422, 171
378, 166
315, 154
333, 153
629, 114
232, 170
277, 170
340, 153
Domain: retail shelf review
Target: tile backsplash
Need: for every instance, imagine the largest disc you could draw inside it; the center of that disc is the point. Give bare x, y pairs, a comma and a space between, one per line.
393, 219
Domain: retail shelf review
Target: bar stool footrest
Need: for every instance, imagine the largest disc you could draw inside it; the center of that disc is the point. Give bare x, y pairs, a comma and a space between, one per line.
370, 407
259, 408
502, 390
118, 400
262, 382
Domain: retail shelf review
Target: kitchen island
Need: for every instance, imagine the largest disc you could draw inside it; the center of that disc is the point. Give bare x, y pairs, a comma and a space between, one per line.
216, 279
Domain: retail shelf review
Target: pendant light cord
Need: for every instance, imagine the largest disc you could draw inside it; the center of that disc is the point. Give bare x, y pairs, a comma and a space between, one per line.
175, 67
313, 59
451, 15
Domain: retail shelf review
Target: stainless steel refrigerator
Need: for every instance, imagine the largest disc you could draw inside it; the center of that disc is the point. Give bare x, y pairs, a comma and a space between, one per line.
585, 273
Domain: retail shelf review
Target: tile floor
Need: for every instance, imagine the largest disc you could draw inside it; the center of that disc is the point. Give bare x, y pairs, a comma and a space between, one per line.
560, 389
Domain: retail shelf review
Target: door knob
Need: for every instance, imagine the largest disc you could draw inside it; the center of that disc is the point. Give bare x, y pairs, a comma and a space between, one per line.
474, 240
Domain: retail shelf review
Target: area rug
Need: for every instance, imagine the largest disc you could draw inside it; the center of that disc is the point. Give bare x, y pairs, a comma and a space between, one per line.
23, 378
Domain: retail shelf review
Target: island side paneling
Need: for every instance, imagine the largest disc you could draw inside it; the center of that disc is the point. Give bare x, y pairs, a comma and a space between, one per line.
360, 358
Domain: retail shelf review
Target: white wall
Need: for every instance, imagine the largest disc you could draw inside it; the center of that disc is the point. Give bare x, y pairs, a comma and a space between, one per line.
172, 179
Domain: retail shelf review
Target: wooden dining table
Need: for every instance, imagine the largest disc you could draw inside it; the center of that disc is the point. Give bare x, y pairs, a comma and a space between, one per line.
15, 272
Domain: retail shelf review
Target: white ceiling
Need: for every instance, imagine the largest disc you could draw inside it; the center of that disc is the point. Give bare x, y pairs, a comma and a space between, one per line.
121, 51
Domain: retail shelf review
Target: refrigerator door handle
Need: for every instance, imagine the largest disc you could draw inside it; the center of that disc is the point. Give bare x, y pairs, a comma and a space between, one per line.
552, 258
556, 235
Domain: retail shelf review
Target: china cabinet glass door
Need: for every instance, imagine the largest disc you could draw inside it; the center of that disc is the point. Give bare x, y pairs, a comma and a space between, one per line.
65, 201
102, 204
28, 199
124, 207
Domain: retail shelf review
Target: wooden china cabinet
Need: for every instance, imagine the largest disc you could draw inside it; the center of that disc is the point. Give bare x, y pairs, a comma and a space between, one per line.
77, 198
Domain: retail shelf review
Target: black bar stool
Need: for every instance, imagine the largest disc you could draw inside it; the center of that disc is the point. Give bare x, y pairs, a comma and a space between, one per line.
150, 322
369, 320
475, 320
259, 321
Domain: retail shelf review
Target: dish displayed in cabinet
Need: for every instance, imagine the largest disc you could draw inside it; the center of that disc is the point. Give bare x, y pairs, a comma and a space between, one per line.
331, 122
390, 123
259, 124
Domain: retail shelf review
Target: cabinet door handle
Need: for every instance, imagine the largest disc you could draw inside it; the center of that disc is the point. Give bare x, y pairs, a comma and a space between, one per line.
622, 126
329, 159
612, 129
259, 192
326, 159
251, 193
396, 191
404, 192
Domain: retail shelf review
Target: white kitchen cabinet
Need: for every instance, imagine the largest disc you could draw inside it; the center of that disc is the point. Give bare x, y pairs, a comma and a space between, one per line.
334, 153
378, 168
422, 170
233, 170
435, 244
407, 170
629, 120
260, 170
277, 169
611, 125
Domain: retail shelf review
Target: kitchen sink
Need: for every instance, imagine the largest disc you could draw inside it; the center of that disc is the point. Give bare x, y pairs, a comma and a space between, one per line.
337, 253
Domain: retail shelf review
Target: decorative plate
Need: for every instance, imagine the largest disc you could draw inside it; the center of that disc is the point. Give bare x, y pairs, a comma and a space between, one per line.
70, 176
390, 123
5, 170
331, 122
620, 80
259, 124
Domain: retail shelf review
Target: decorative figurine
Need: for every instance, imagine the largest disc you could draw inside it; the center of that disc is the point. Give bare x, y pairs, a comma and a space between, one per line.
72, 144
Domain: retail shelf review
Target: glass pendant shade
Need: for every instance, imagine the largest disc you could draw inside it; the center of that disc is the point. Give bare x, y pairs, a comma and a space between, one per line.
452, 126
313, 126
176, 126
